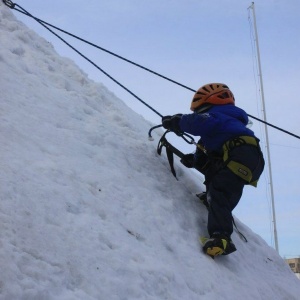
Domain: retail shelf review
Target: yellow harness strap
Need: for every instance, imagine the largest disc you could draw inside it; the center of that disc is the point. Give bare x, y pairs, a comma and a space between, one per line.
236, 167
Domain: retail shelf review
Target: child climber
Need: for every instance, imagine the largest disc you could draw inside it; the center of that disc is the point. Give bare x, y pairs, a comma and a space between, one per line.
232, 157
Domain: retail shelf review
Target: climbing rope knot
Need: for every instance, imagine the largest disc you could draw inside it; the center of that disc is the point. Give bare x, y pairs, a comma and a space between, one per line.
9, 3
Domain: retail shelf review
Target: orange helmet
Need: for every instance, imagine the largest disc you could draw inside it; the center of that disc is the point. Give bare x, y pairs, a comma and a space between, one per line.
212, 93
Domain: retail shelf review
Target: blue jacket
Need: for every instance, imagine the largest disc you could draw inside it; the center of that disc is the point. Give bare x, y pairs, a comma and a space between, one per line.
217, 125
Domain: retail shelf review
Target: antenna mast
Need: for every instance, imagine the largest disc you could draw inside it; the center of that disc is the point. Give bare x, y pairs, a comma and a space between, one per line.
266, 129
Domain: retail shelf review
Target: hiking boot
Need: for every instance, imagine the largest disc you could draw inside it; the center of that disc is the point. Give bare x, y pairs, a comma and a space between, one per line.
230, 248
218, 244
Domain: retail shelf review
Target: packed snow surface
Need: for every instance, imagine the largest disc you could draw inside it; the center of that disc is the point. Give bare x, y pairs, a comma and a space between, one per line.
88, 210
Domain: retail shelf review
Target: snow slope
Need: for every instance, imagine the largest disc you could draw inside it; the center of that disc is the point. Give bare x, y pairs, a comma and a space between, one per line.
88, 210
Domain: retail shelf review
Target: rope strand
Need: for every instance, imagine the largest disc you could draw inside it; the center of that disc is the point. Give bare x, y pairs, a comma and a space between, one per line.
12, 5
90, 61
109, 52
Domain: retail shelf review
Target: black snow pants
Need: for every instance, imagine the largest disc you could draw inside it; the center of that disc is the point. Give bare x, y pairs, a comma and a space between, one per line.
225, 189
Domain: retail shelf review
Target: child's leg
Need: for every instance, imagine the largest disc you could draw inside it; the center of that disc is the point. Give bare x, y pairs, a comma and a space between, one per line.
224, 193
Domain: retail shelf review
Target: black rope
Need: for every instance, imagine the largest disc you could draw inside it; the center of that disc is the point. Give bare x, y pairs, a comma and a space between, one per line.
86, 58
278, 128
9, 3
12, 5
109, 52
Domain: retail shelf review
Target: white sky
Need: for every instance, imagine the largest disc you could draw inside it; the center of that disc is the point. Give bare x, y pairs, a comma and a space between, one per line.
196, 42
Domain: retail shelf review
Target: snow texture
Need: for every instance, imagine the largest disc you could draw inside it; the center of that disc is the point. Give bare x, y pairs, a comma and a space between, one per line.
88, 210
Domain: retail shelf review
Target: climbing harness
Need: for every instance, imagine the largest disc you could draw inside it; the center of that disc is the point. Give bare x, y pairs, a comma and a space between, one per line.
237, 167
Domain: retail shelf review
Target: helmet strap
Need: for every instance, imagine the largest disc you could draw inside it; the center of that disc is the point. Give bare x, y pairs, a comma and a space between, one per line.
203, 108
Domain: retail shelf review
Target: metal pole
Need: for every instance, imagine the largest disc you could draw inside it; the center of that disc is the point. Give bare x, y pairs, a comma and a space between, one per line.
266, 131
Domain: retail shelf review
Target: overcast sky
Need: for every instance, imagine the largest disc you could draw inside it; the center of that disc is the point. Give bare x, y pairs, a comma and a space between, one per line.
194, 43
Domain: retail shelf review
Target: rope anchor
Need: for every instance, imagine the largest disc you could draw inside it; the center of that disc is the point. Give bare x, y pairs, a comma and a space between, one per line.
9, 3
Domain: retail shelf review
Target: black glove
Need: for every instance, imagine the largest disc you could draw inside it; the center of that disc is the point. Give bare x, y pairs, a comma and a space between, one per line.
172, 123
